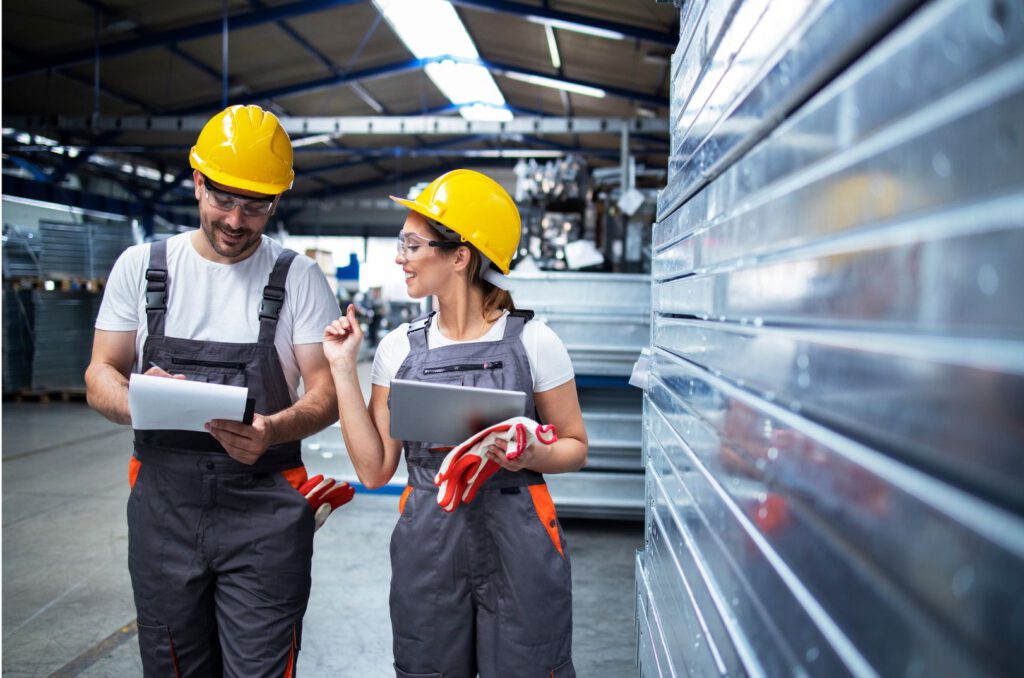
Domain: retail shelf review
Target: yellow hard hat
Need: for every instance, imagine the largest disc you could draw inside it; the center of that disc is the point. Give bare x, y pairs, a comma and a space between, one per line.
477, 208
245, 147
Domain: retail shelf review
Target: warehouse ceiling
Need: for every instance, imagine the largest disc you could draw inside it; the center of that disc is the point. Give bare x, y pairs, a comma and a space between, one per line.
65, 59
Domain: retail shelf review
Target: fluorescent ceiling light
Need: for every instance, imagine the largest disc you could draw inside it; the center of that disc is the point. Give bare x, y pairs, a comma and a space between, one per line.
577, 28
557, 84
431, 29
515, 153
485, 113
556, 60
367, 98
312, 140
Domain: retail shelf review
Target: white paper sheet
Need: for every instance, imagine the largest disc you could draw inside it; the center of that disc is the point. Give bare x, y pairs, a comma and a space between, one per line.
162, 403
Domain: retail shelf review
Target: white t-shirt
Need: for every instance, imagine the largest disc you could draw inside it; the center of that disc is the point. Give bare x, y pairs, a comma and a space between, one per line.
549, 360
220, 302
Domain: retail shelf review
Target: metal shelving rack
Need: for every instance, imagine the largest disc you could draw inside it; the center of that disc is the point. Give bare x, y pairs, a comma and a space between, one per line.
832, 418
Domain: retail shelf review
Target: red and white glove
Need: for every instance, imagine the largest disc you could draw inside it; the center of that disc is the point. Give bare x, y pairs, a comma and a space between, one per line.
325, 495
467, 467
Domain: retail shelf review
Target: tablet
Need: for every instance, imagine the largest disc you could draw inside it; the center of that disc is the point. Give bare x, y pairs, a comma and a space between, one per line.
447, 414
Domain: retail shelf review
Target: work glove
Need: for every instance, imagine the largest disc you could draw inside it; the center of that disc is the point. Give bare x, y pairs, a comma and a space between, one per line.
466, 467
324, 496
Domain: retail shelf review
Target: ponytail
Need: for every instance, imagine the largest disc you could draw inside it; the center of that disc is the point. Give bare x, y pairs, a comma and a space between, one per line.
495, 298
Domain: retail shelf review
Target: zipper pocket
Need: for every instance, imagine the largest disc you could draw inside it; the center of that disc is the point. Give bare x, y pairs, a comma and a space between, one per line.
208, 363
465, 367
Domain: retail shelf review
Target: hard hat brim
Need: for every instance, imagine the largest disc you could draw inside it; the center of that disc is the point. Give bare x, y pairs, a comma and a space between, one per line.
420, 209
230, 181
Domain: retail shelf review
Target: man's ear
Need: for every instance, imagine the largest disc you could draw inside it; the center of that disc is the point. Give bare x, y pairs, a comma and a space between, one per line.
196, 180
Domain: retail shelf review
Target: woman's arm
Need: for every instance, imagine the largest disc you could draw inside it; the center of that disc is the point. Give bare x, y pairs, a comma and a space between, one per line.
559, 406
365, 430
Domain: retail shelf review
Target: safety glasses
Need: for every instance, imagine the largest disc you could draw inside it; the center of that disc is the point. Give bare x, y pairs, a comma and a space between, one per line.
412, 246
251, 207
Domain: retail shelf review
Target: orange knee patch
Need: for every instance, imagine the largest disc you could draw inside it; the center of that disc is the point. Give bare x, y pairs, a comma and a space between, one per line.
133, 470
403, 498
546, 512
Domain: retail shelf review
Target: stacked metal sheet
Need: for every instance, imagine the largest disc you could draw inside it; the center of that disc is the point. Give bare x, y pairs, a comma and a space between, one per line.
65, 253
17, 339
832, 427
63, 333
106, 243
81, 251
21, 251
604, 321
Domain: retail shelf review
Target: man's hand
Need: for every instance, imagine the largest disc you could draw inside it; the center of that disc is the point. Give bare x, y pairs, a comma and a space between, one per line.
157, 372
243, 443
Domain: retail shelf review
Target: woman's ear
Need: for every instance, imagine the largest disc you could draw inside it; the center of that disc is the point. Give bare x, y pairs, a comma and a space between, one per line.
462, 258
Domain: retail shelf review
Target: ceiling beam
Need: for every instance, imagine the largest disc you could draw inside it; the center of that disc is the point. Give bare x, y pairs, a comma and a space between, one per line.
539, 14
202, 29
353, 125
387, 70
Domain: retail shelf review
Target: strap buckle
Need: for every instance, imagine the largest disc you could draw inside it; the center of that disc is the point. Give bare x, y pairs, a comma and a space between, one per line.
273, 300
156, 289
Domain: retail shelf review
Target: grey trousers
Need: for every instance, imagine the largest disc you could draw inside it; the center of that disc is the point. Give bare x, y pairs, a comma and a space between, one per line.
220, 569
483, 590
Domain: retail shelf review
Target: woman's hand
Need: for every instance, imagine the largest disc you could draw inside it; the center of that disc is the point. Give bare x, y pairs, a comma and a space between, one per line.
342, 339
496, 453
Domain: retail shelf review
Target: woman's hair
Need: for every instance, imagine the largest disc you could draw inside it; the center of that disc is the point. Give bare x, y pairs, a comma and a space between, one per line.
495, 298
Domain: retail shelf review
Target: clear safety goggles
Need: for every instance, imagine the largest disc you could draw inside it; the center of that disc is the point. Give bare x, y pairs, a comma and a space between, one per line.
412, 246
251, 207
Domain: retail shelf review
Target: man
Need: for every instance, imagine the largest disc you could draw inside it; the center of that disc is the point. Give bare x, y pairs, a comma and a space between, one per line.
219, 540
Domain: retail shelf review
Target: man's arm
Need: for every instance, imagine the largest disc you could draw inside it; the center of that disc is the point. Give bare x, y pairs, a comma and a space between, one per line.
106, 379
314, 411
317, 408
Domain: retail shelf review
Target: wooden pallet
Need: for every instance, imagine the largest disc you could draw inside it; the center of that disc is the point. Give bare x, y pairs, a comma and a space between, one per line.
63, 285
29, 396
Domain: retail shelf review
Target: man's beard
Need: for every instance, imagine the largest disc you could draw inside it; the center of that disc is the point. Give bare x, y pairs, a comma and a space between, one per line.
210, 229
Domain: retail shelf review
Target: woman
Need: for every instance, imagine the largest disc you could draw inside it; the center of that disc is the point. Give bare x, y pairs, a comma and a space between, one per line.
485, 588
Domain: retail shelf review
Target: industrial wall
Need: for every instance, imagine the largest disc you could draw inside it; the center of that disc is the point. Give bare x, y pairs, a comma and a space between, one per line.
833, 419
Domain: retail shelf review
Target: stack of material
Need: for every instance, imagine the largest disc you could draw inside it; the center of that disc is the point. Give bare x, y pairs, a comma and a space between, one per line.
832, 417
604, 321
65, 254
17, 338
81, 251
63, 332
21, 251
106, 242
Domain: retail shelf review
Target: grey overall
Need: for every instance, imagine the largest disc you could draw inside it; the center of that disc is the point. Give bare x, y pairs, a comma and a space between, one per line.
219, 552
485, 589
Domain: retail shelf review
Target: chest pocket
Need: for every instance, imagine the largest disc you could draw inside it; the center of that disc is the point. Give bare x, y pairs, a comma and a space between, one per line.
210, 371
481, 373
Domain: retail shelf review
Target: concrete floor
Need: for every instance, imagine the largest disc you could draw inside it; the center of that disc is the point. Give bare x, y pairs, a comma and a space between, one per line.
67, 602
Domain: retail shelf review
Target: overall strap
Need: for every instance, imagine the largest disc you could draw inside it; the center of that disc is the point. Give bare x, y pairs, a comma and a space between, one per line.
157, 283
273, 297
418, 330
515, 322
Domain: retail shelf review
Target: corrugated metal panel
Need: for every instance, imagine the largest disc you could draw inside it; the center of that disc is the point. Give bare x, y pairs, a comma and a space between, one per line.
743, 65
832, 426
